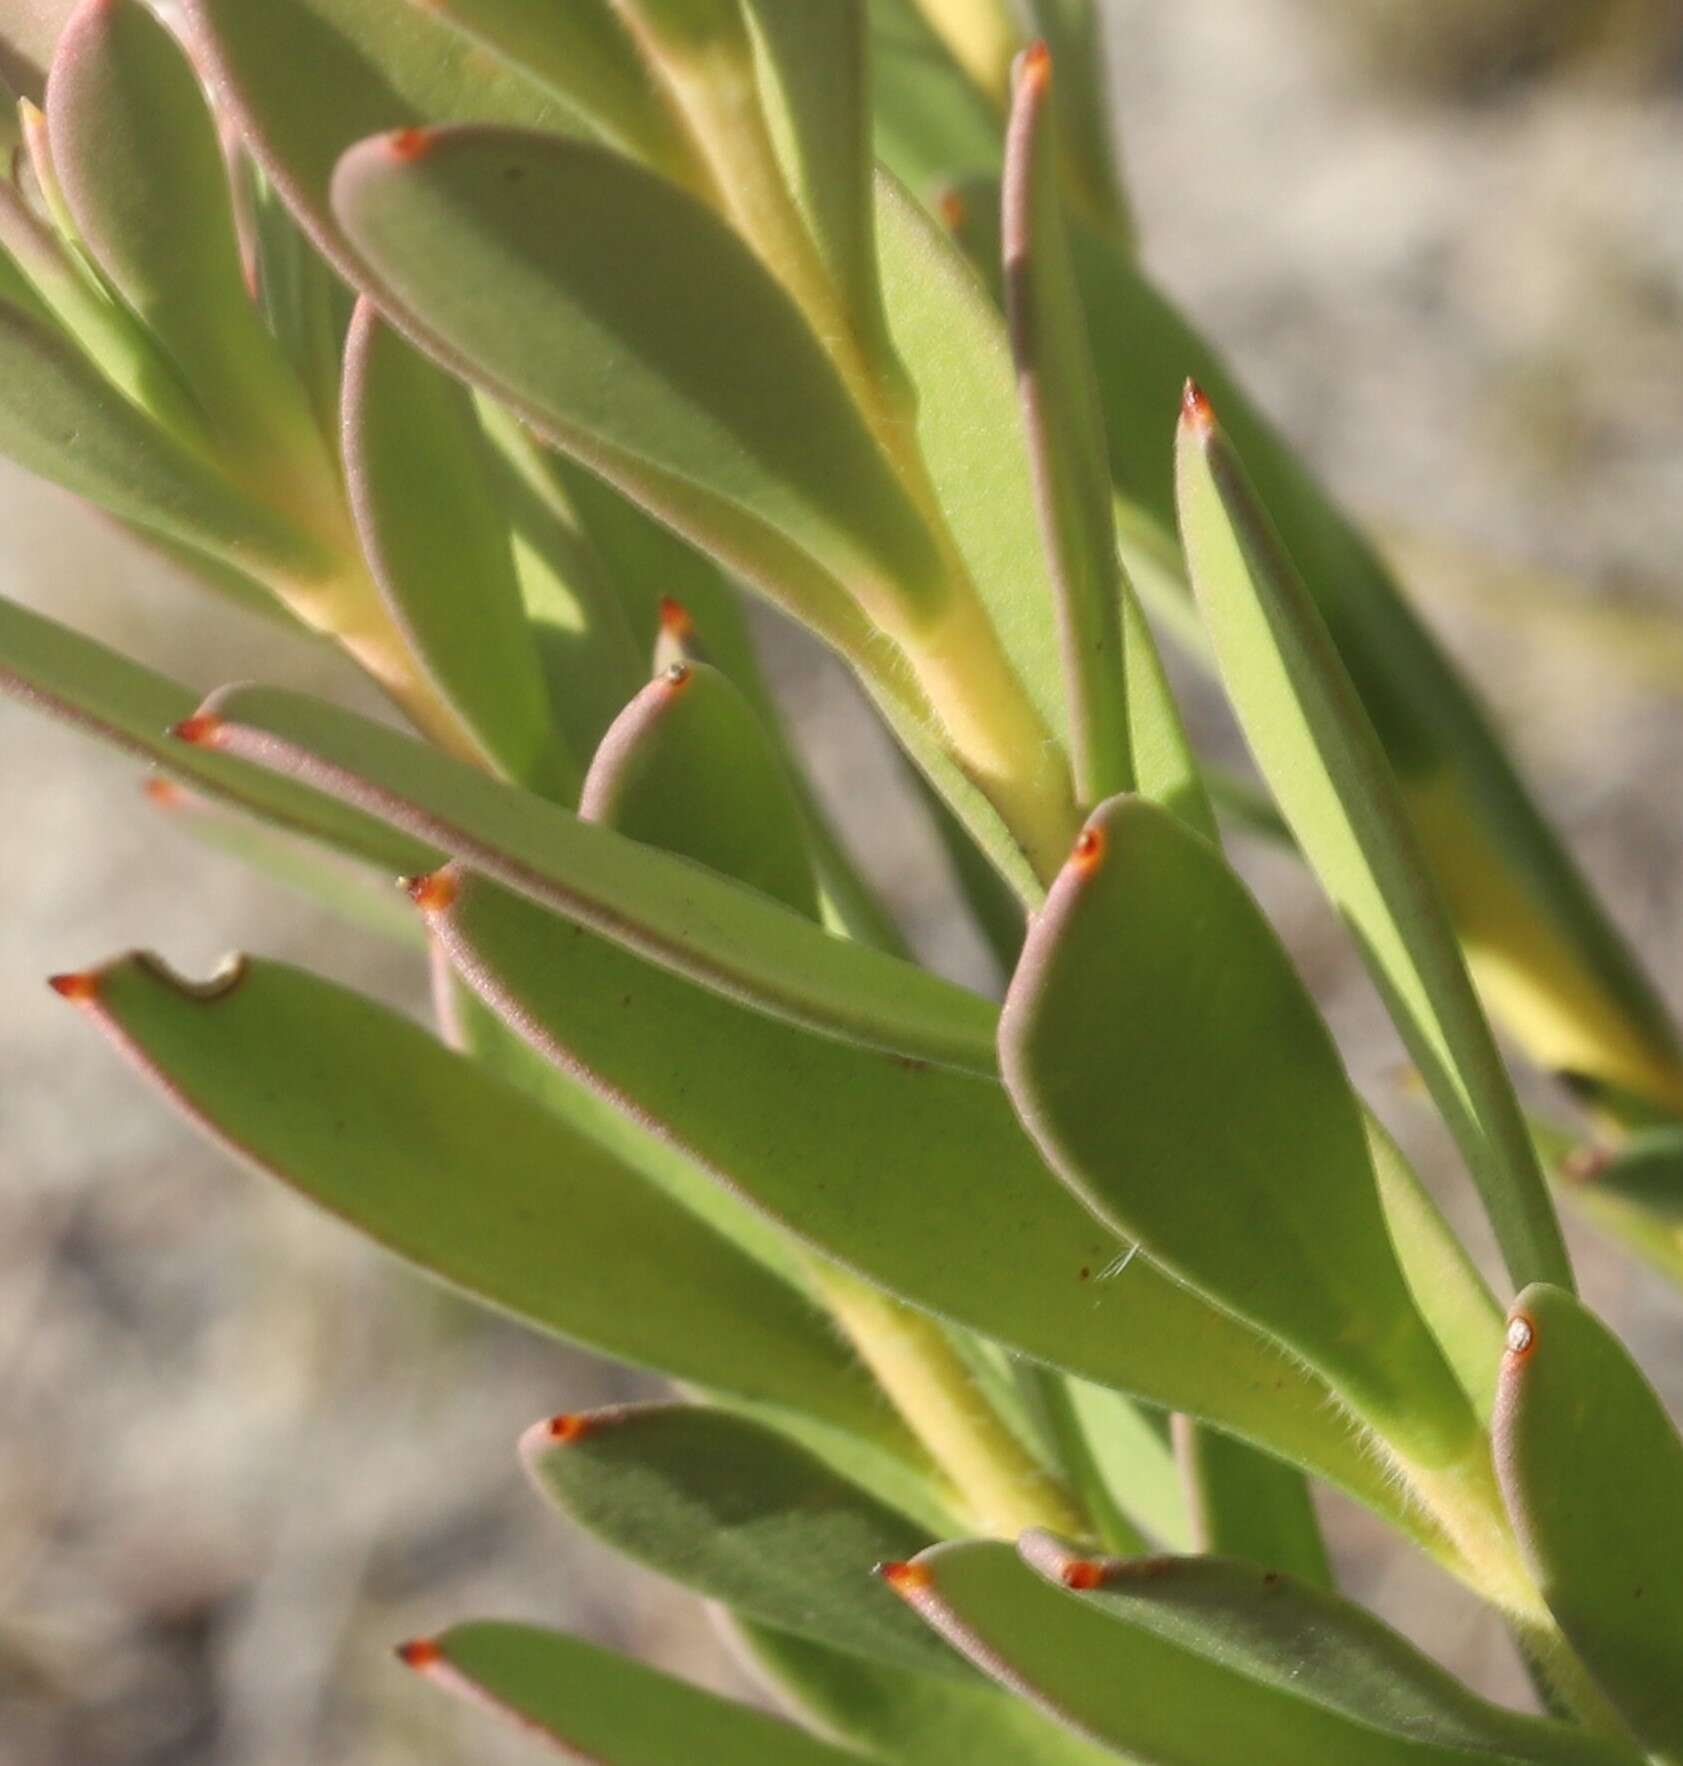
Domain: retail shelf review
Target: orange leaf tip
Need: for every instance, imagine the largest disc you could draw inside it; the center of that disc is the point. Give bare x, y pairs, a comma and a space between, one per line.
1088, 852
201, 729
1196, 411
568, 1427
409, 144
432, 892
675, 618
1034, 66
951, 206
421, 1653
905, 1579
163, 792
1081, 1574
80, 987
1522, 1335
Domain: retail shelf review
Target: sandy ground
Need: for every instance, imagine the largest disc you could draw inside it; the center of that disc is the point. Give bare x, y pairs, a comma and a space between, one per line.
242, 1454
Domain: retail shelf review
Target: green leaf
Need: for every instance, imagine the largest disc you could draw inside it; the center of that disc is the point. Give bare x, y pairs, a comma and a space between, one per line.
142, 171
60, 419
899, 1715
1318, 750
1066, 441
304, 79
1592, 1471
591, 1703
1645, 1171
688, 767
582, 52
1073, 32
1207, 1662
911, 1174
1151, 983
369, 1117
1247, 1506
437, 539
740, 1515
104, 694
544, 270
726, 937
932, 124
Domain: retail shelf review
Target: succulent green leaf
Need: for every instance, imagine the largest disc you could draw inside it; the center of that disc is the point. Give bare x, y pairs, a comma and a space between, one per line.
1209, 1662
582, 52
896, 1714
1592, 1471
1133, 1448
133, 708
737, 1513
913, 1175
729, 938
636, 330
304, 79
593, 1704
437, 538
1318, 750
1150, 983
932, 125
688, 767
424, 1152
1066, 440
137, 156
62, 420
1245, 1505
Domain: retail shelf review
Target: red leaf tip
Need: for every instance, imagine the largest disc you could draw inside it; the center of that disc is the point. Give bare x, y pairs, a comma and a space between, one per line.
201, 729
80, 987
1196, 411
1088, 852
420, 1653
568, 1427
432, 892
905, 1579
1522, 1336
163, 792
952, 208
1081, 1574
675, 618
409, 144
1034, 65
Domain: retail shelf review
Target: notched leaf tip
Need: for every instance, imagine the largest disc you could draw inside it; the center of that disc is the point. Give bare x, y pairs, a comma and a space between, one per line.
1196, 411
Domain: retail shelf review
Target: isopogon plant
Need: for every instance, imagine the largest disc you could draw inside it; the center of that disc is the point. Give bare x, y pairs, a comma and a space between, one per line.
507, 344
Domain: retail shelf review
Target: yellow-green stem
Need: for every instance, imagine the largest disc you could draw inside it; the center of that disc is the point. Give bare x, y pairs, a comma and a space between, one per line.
1003, 1488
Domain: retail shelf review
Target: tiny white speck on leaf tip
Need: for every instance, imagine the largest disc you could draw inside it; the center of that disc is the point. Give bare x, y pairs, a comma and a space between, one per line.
1520, 1335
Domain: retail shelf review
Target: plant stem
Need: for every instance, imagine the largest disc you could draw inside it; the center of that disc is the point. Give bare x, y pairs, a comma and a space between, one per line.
1004, 1488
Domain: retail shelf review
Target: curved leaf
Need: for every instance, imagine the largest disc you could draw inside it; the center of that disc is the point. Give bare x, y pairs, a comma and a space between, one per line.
1318, 750
418, 1148
591, 1703
1150, 983
1592, 1470
437, 538
1207, 1662
740, 1515
677, 914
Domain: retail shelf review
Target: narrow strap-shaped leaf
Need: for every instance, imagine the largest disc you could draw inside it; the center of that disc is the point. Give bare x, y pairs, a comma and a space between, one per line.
305, 79
1151, 982
582, 52
688, 767
588, 1703
913, 1175
1317, 748
738, 1514
1246, 1506
369, 1117
437, 538
63, 421
1073, 32
931, 124
900, 1715
1066, 438
1133, 1446
727, 937
103, 693
638, 332
1208, 1662
137, 156
1592, 1470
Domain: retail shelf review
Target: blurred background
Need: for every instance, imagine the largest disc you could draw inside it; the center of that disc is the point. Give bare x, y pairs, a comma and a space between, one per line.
241, 1455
